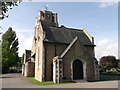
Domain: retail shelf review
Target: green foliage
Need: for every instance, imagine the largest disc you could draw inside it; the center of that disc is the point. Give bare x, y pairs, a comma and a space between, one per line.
9, 49
5, 6
108, 62
22, 59
19, 63
34, 81
114, 73
118, 63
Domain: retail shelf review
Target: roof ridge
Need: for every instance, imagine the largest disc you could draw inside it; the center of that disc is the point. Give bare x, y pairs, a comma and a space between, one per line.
68, 28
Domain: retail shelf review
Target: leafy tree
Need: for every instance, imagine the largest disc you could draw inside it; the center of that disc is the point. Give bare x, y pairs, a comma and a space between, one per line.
118, 63
22, 59
5, 6
9, 49
108, 62
19, 63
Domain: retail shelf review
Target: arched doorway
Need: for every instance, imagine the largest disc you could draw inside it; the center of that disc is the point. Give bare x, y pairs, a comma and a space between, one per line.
77, 70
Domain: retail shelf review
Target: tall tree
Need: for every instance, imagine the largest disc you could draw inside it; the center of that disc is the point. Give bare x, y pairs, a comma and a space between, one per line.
9, 49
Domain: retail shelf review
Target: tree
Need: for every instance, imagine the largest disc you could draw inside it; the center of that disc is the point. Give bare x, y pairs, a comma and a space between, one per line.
118, 63
108, 62
5, 6
9, 49
22, 59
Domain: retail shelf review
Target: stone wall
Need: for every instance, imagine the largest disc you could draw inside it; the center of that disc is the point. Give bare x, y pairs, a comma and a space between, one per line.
77, 51
52, 50
39, 57
97, 76
90, 50
23, 69
29, 69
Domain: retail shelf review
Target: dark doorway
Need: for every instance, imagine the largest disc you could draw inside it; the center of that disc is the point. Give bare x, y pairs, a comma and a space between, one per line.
77, 70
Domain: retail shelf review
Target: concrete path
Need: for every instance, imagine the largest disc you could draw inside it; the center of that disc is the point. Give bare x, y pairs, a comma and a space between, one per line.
19, 81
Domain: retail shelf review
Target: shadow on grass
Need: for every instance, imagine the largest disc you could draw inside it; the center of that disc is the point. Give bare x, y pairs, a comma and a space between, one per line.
34, 81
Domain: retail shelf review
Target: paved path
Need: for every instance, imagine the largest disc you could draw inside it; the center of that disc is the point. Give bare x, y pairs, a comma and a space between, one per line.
19, 81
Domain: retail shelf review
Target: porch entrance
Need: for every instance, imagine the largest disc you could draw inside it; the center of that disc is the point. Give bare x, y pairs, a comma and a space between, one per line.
77, 70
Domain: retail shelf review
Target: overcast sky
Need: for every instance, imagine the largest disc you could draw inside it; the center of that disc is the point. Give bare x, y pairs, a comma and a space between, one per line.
99, 19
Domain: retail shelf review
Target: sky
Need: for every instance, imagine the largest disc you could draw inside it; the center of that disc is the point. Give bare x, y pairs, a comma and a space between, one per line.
100, 19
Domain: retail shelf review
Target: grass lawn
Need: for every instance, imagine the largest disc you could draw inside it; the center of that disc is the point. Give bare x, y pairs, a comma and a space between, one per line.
1, 74
34, 81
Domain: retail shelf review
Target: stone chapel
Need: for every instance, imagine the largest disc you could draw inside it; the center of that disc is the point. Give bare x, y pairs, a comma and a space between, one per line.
59, 53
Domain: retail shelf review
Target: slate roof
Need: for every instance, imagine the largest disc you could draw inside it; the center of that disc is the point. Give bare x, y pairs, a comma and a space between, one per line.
27, 51
65, 35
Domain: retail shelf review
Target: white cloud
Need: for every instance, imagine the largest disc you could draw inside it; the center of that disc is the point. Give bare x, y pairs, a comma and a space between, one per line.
26, 44
25, 37
107, 4
106, 47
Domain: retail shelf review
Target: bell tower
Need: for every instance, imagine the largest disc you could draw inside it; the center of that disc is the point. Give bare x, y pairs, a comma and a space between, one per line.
48, 18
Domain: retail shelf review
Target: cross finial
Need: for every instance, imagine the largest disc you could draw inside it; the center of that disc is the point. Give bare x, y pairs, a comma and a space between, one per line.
46, 7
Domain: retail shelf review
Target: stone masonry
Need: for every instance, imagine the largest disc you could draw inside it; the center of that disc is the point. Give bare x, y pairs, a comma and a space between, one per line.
59, 53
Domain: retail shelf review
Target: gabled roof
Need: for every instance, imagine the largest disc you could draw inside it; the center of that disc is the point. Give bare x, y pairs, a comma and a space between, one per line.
65, 35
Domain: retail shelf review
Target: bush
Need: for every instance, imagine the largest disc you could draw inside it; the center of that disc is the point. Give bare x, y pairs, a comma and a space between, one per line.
110, 73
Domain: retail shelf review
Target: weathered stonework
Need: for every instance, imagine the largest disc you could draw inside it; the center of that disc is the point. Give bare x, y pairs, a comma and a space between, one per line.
26, 56
29, 69
58, 51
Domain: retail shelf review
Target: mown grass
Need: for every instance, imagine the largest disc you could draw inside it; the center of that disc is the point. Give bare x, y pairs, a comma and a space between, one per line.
1, 74
34, 81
